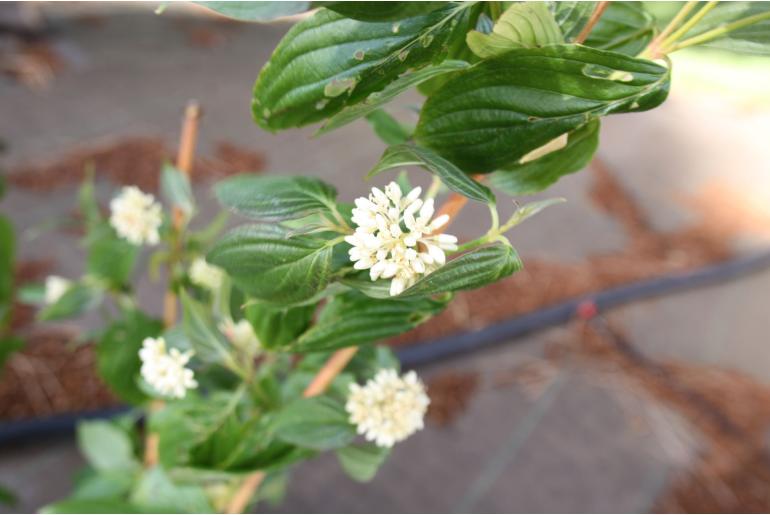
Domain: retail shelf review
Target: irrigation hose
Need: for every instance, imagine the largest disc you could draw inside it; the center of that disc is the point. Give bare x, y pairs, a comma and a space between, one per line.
503, 332
559, 314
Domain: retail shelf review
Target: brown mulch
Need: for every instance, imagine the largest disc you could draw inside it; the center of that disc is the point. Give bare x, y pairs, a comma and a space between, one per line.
132, 161
49, 377
648, 254
729, 410
450, 395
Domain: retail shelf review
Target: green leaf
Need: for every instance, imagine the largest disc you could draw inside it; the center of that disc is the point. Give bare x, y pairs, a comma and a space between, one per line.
155, 492
117, 354
491, 115
7, 251
318, 423
78, 299
89, 207
571, 16
106, 446
349, 60
471, 270
454, 178
7, 497
354, 319
256, 11
31, 293
521, 25
9, 345
388, 129
111, 484
275, 198
277, 327
176, 189
362, 461
91, 506
534, 176
529, 210
382, 11
751, 39
376, 100
207, 341
271, 267
624, 27
109, 256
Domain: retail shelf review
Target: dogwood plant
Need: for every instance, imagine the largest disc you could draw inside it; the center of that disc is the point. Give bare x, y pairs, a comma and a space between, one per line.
275, 357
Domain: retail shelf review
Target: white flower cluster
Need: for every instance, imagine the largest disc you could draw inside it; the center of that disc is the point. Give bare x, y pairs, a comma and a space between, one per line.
165, 370
205, 275
55, 287
136, 216
395, 237
241, 335
388, 408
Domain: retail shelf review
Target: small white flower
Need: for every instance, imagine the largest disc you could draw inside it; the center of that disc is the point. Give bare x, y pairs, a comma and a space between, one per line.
395, 237
165, 370
388, 408
136, 216
241, 335
55, 287
205, 275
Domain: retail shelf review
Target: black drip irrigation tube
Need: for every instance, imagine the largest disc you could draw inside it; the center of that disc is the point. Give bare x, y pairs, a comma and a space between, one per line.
455, 345
419, 354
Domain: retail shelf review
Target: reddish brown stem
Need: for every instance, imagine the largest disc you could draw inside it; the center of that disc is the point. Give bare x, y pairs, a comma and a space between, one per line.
592, 21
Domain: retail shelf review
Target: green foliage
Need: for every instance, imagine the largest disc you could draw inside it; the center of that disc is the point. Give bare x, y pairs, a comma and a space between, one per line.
91, 506
388, 129
277, 327
155, 492
110, 257
382, 11
362, 461
454, 178
751, 38
476, 268
571, 16
256, 11
208, 343
353, 319
117, 354
536, 175
78, 299
106, 447
525, 25
564, 88
176, 189
374, 101
624, 27
271, 266
275, 198
318, 423
350, 60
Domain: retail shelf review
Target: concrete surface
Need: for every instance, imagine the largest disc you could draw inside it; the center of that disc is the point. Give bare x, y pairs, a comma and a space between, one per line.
573, 447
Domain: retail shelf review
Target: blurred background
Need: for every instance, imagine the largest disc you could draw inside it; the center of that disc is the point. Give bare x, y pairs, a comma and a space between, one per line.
662, 404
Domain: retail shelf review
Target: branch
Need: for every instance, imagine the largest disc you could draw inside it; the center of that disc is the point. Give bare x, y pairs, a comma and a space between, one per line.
185, 159
331, 369
592, 21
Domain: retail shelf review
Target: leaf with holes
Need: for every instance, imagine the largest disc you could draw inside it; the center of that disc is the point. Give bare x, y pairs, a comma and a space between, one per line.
491, 115
392, 90
328, 61
272, 267
454, 178
536, 175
